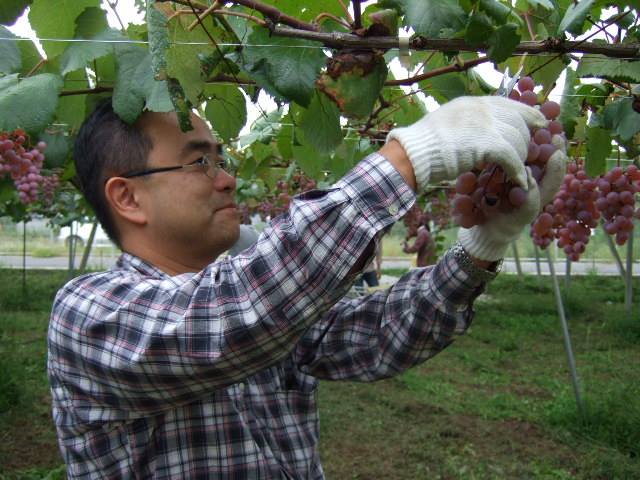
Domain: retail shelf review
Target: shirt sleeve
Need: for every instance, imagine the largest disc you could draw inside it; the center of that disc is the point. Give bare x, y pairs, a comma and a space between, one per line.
377, 336
141, 342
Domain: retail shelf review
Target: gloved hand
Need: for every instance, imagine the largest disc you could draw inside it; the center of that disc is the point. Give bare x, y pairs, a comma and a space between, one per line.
490, 240
467, 132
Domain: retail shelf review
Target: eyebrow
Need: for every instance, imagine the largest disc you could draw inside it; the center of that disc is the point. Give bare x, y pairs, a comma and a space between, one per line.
199, 146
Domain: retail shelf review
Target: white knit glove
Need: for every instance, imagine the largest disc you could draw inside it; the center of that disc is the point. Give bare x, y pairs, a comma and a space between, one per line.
490, 240
467, 132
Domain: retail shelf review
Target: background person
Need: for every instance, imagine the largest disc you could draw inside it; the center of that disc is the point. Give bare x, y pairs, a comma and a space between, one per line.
172, 365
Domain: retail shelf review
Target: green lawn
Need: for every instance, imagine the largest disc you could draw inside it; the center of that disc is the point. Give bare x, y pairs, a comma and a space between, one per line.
497, 404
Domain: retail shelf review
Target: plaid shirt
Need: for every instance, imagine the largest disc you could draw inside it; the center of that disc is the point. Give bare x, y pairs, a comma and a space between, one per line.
213, 375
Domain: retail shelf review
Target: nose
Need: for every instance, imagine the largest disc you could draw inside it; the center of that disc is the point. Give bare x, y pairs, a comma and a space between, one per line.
224, 181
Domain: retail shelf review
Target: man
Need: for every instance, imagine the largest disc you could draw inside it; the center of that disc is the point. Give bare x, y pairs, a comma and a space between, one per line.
174, 366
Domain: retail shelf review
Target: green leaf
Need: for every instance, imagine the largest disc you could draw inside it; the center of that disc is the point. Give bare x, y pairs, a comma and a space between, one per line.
355, 91
311, 162
226, 110
320, 124
79, 54
158, 40
29, 55
305, 10
263, 129
622, 119
287, 69
503, 42
183, 62
30, 103
598, 149
609, 68
10, 58
58, 149
546, 4
135, 86
91, 22
574, 17
56, 19
11, 10
444, 88
431, 17
570, 105
495, 10
71, 108
479, 29
408, 110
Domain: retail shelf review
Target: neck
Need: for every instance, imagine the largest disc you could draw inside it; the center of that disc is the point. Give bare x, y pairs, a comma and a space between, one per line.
170, 262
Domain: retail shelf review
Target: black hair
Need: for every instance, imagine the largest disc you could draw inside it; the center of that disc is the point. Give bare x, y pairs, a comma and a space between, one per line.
107, 146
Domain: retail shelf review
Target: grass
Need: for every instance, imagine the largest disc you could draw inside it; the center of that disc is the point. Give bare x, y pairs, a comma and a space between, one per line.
497, 404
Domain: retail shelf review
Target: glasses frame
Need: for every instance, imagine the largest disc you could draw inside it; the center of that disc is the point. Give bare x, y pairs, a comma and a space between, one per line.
212, 167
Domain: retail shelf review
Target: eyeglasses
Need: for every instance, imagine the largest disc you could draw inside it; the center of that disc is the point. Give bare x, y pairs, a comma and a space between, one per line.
205, 163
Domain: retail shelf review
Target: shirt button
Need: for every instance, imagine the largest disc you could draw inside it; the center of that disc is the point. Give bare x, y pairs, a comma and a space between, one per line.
393, 210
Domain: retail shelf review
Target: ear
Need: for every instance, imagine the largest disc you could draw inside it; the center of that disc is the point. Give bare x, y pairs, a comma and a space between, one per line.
123, 195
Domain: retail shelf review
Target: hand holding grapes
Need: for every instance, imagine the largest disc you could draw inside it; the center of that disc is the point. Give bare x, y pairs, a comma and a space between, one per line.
489, 241
469, 132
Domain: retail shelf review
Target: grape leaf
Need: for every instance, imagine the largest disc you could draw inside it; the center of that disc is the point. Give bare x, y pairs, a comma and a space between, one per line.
305, 10
135, 85
285, 137
503, 42
226, 110
158, 40
91, 22
10, 58
288, 68
11, 10
574, 17
609, 68
622, 119
356, 91
598, 149
30, 103
310, 160
495, 10
479, 29
71, 108
58, 148
320, 124
445, 87
263, 129
29, 55
431, 17
183, 62
570, 107
56, 19
77, 55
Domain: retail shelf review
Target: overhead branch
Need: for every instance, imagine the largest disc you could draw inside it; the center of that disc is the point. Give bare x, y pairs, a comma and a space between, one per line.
275, 15
552, 45
439, 71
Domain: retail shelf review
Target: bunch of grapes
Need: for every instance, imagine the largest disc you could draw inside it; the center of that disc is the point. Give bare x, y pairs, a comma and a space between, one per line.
571, 215
23, 164
482, 192
616, 201
278, 201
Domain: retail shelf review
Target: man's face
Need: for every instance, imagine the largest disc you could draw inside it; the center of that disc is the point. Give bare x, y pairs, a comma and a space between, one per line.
190, 214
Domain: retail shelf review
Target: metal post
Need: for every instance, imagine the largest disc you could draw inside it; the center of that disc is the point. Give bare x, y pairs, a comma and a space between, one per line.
614, 252
567, 339
517, 258
628, 303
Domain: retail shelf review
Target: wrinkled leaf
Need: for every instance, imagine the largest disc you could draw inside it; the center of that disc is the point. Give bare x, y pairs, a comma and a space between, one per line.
226, 110
610, 68
431, 17
503, 42
622, 119
56, 19
79, 54
575, 16
10, 58
58, 149
30, 103
356, 91
320, 124
287, 69
598, 149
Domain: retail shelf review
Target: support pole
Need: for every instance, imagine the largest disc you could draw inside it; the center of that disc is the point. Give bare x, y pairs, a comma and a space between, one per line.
516, 256
88, 247
567, 273
614, 252
24, 257
567, 339
628, 302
